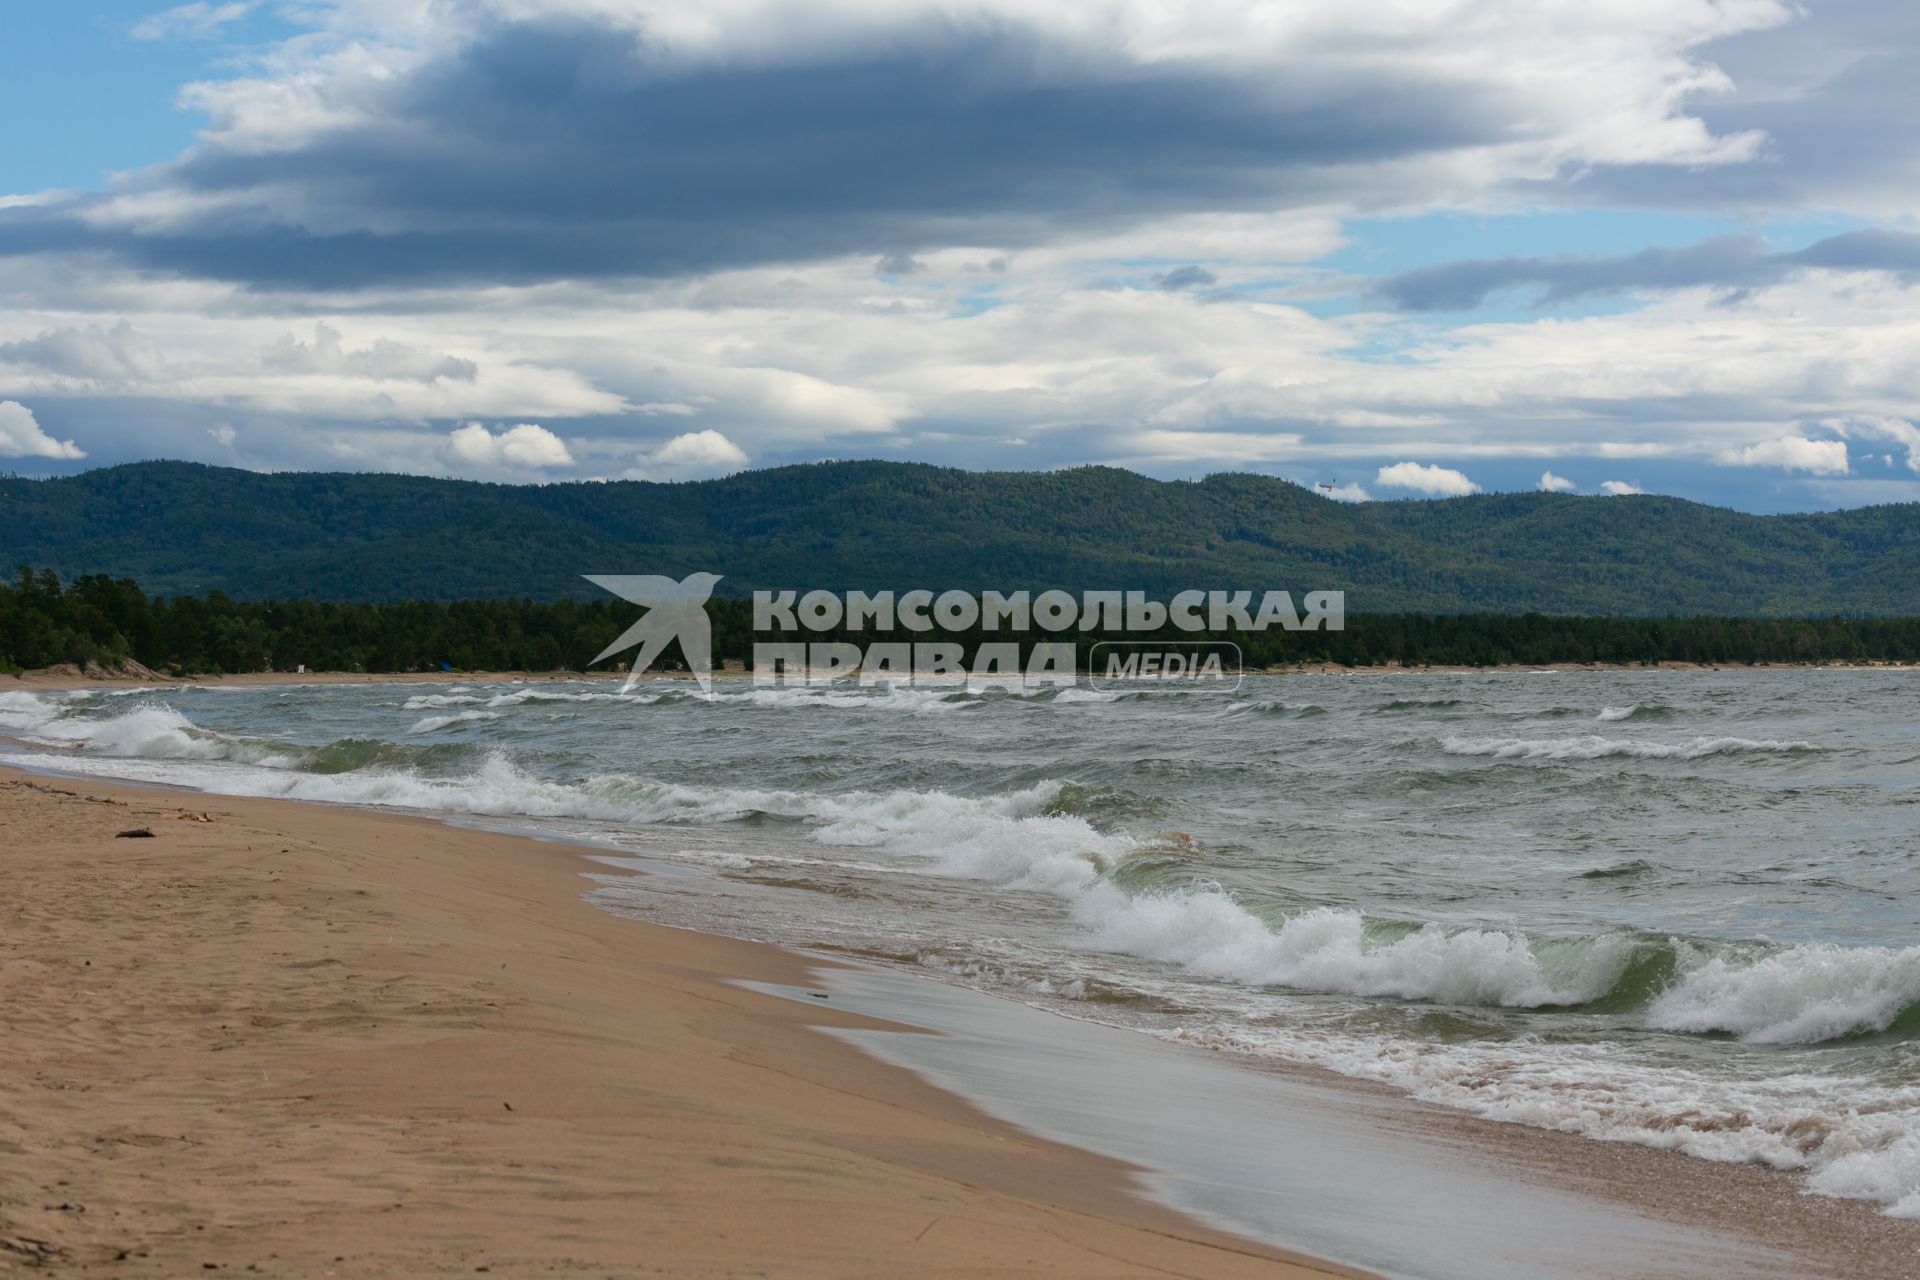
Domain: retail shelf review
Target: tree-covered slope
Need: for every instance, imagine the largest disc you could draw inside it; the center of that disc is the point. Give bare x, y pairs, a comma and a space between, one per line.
179, 527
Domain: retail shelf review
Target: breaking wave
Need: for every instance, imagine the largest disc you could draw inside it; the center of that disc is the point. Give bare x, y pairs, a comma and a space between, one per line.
433, 724
1637, 711
1751, 991
1595, 747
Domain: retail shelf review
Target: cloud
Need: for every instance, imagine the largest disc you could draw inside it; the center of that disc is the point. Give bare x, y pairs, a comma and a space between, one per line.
695, 455
583, 139
1833, 96
524, 446
189, 348
199, 20
381, 359
1792, 453
1733, 263
1620, 488
793, 364
1190, 277
1441, 482
117, 356
1901, 431
1551, 483
21, 436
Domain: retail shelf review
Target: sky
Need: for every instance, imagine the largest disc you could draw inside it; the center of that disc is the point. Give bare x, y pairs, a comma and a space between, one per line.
1406, 249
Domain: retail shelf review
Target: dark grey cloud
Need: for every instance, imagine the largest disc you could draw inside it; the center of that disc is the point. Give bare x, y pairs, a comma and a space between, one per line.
544, 150
1735, 264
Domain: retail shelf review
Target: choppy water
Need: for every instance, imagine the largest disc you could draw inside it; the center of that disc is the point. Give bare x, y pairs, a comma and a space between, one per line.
1676, 908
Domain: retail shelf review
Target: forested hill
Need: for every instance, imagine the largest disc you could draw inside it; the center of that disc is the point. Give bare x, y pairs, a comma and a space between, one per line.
186, 528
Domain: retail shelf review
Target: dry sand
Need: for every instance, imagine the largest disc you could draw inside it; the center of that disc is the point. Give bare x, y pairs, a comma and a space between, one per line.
304, 1041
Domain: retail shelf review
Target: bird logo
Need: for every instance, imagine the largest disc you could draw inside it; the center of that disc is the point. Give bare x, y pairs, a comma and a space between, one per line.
675, 611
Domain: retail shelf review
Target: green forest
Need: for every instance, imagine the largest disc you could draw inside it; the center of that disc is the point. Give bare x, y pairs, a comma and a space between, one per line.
108, 621
188, 530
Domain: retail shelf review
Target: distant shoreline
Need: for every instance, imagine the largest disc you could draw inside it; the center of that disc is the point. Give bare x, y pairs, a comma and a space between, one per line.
56, 678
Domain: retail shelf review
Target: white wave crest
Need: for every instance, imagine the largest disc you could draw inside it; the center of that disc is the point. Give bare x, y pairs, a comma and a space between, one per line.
1800, 995
431, 701
1274, 706
884, 698
1327, 949
1594, 747
1616, 713
154, 733
1073, 693
1889, 1174
20, 710
521, 697
433, 724
1008, 839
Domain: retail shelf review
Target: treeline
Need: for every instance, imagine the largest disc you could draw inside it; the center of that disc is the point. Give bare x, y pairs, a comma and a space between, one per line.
108, 621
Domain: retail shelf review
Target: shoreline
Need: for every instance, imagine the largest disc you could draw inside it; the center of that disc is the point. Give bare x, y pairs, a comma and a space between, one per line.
58, 679
1112, 1189
302, 1039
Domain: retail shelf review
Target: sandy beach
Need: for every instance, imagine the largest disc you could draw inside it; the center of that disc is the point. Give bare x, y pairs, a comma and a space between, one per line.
289, 1040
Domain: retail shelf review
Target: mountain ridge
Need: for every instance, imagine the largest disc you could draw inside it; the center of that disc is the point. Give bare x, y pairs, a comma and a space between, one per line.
179, 527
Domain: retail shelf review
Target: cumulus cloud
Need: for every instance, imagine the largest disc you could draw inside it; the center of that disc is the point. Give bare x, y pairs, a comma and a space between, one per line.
380, 359
1551, 483
1791, 453
526, 446
696, 455
116, 356
1620, 488
500, 141
1440, 482
21, 436
196, 344
1901, 431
